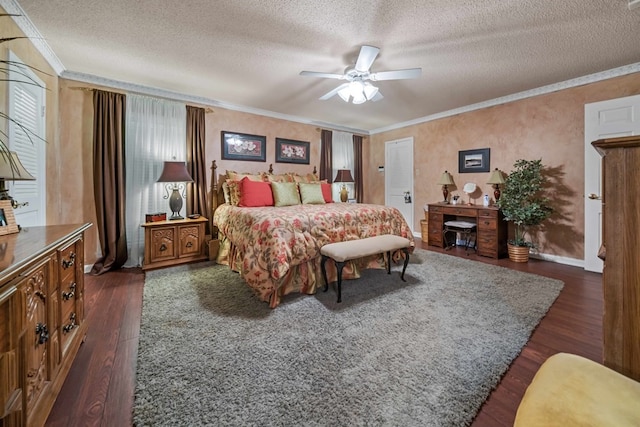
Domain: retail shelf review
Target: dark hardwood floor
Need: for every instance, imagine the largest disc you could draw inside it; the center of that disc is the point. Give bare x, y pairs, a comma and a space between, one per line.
99, 388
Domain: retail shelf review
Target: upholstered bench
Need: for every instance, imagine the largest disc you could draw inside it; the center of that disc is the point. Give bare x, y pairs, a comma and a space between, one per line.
341, 252
569, 390
467, 229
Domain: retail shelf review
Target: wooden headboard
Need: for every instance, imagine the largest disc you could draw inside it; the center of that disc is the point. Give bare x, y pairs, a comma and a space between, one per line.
217, 194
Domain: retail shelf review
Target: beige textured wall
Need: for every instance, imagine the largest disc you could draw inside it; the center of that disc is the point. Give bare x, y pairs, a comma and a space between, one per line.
550, 127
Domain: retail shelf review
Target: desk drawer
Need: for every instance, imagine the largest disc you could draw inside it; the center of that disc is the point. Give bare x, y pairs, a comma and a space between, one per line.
487, 213
451, 210
435, 218
489, 224
435, 208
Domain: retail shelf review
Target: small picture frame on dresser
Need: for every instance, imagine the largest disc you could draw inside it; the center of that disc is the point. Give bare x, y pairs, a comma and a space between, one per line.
7, 218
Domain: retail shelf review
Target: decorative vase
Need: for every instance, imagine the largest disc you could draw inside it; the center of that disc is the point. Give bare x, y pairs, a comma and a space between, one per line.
518, 253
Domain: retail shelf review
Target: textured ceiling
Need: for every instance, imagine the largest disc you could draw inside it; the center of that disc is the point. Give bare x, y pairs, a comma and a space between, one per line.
249, 53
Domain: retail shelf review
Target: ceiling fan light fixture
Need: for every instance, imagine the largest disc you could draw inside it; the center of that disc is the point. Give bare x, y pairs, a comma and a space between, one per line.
345, 93
370, 90
359, 98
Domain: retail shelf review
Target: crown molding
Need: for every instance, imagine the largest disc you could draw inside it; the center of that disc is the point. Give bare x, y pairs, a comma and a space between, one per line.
27, 27
163, 93
567, 84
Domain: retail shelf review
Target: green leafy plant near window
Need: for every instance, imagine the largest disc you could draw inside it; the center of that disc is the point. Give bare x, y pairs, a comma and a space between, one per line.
523, 200
19, 69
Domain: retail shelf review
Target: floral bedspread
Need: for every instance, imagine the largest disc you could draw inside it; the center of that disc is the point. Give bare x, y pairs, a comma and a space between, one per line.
277, 249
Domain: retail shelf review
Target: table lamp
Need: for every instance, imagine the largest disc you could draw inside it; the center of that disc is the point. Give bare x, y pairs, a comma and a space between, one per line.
496, 179
175, 174
445, 180
11, 169
344, 175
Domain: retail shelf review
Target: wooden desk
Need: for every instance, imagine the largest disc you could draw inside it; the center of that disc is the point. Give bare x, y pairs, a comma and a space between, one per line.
491, 227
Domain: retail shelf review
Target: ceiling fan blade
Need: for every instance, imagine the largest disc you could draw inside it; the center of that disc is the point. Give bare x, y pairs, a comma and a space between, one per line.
322, 75
365, 59
333, 92
409, 73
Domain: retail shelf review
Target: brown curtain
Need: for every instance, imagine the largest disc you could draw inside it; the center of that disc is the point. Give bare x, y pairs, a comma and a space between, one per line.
197, 190
357, 167
326, 157
109, 179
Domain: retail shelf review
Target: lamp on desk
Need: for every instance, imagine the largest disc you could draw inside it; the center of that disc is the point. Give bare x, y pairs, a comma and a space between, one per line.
343, 176
445, 180
496, 179
11, 169
175, 174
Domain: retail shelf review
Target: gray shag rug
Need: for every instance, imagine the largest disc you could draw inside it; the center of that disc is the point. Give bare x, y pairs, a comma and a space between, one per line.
422, 353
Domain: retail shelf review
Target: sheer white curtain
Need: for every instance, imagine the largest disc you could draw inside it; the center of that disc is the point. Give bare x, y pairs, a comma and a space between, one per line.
342, 153
156, 131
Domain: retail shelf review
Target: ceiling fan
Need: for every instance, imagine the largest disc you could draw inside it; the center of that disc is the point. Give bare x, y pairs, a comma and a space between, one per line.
359, 78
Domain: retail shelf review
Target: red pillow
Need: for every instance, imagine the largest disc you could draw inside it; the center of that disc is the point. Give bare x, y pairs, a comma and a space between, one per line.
255, 193
326, 192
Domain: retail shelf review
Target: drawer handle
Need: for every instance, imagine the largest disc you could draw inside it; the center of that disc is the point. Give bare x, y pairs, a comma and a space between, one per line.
70, 326
68, 295
41, 296
42, 332
487, 222
72, 260
163, 247
189, 244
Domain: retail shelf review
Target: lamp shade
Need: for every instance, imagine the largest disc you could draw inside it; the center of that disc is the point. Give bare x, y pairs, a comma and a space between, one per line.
343, 175
11, 168
496, 177
446, 179
175, 172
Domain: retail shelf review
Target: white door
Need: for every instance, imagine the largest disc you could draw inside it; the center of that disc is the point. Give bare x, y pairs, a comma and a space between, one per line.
398, 177
605, 119
27, 107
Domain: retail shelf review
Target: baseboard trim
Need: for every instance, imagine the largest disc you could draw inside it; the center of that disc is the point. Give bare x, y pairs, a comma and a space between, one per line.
545, 257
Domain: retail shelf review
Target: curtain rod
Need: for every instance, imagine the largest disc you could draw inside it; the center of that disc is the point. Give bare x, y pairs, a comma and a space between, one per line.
353, 133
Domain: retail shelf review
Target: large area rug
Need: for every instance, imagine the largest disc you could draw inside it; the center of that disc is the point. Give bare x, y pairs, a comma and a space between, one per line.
422, 353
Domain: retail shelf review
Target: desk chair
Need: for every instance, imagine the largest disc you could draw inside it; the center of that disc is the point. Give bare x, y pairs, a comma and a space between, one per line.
467, 229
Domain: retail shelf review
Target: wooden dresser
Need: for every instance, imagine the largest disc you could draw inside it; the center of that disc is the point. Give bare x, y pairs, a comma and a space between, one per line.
621, 241
41, 318
491, 227
173, 242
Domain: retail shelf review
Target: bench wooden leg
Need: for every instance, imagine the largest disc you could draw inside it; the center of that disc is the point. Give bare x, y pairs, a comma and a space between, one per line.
339, 267
406, 262
324, 272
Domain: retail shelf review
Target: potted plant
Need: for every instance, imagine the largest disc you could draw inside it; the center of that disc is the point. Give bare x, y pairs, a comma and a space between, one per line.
523, 201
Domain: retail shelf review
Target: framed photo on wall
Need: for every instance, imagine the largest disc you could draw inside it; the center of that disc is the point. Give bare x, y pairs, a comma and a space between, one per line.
242, 146
7, 218
290, 151
470, 161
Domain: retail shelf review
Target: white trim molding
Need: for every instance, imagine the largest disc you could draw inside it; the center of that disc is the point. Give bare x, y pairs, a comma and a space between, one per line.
26, 26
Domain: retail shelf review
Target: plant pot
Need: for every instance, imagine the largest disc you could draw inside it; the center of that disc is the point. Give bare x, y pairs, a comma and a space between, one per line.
518, 253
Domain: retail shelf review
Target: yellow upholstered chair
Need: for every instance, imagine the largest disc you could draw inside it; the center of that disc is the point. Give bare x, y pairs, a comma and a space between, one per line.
569, 390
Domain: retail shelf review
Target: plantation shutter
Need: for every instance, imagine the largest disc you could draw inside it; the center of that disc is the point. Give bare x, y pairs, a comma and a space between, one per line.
26, 107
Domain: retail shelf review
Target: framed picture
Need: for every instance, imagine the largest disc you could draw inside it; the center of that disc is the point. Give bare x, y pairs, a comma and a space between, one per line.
242, 146
473, 160
7, 218
290, 151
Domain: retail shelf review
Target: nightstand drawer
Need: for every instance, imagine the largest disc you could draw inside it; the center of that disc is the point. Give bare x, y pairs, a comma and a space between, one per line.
173, 242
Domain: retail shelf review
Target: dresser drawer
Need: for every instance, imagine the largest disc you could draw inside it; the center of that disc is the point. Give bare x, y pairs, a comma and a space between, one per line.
67, 259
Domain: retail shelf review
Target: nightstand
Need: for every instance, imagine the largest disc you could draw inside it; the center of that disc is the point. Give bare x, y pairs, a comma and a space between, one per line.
173, 242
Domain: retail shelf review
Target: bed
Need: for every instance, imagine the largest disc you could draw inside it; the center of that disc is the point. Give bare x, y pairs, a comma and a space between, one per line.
276, 249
